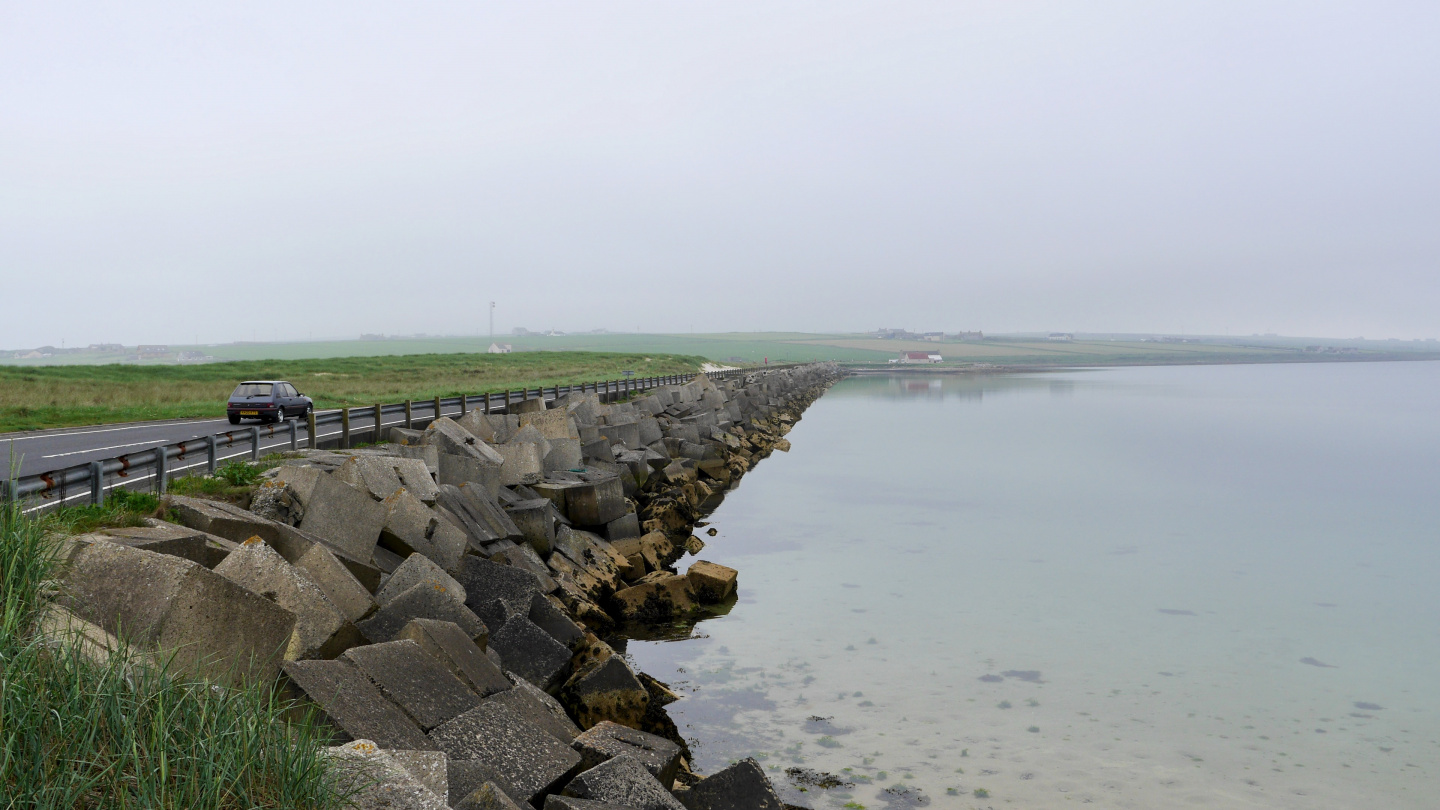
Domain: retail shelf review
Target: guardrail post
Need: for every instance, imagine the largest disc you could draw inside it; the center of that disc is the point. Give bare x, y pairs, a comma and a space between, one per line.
379, 418
464, 404
312, 441
160, 465
255, 443
409, 415
97, 483
437, 407
8, 488
294, 434
485, 397
212, 452
524, 394
345, 428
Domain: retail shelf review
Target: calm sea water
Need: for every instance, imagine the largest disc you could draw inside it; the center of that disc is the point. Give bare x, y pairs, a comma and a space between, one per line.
1143, 587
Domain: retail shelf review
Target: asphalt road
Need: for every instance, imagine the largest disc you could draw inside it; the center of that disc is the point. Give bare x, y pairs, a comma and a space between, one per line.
46, 451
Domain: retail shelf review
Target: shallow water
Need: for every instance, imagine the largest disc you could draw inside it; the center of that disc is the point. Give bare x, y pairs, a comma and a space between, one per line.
1141, 587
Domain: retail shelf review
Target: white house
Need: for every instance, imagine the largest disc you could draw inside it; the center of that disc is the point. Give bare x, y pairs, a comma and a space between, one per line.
1062, 336
500, 348
920, 357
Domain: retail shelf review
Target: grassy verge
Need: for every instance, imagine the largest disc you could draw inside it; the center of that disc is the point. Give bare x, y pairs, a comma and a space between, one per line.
79, 734
60, 396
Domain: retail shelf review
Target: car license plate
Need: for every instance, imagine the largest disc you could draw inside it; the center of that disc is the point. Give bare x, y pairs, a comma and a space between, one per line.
249, 413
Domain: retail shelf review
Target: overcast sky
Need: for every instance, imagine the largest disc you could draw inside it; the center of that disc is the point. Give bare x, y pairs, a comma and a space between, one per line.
285, 170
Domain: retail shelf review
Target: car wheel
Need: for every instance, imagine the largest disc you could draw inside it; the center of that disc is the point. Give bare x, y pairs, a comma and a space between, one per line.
234, 419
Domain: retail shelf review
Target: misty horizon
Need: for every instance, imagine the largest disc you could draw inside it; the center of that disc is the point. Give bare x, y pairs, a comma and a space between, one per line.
172, 174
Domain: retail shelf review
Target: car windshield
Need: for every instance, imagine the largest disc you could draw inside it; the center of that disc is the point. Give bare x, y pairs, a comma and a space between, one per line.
251, 390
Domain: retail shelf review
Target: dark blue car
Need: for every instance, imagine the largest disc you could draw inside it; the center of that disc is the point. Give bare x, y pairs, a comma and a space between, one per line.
266, 400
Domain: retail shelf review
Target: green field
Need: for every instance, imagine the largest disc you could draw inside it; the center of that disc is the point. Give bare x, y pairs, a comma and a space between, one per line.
58, 396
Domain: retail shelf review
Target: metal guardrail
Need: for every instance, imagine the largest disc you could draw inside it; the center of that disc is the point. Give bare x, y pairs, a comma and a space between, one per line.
88, 483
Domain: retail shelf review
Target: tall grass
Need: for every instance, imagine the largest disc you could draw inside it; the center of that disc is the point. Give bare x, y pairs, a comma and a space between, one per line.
128, 733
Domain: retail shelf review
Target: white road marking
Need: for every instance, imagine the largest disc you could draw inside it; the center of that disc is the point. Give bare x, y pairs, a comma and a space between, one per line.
100, 449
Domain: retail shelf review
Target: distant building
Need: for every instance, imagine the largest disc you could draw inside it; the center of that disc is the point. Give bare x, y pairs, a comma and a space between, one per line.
153, 351
1062, 336
895, 334
933, 337
105, 347
920, 357
500, 348
969, 336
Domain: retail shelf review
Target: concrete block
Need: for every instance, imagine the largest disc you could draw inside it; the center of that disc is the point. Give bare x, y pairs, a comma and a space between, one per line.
375, 779
627, 525
448, 644
484, 580
597, 502
381, 476
344, 516
411, 527
557, 802
405, 437
488, 796
548, 613
479, 424
525, 406
531, 653
352, 705
237, 525
529, 434
491, 743
425, 454
627, 434
535, 519
608, 740
523, 463
456, 470
415, 681
172, 604
742, 786
712, 583
427, 767
524, 556
417, 568
177, 541
594, 554
564, 454
321, 629
648, 430
606, 690
426, 600
598, 449
553, 424
450, 438
622, 780
537, 707
658, 598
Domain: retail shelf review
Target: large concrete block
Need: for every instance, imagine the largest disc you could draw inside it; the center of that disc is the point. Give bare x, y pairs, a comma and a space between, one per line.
450, 438
456, 470
535, 518
172, 604
622, 780
658, 598
375, 779
595, 503
557, 802
237, 525
344, 516
321, 629
548, 613
537, 707
484, 580
411, 527
488, 796
448, 644
478, 514
523, 463
177, 541
381, 476
596, 556
608, 740
529, 434
531, 652
503, 748
553, 424
426, 600
564, 454
415, 681
351, 705
742, 786
712, 583
417, 568
525, 406
606, 690
479, 424
524, 556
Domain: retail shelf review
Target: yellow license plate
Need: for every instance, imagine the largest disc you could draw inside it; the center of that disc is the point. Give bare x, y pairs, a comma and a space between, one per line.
249, 413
